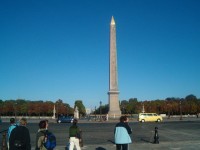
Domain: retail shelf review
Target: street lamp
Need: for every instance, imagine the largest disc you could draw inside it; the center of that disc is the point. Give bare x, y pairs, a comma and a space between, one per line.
15, 107
123, 109
57, 110
168, 111
180, 111
100, 111
95, 113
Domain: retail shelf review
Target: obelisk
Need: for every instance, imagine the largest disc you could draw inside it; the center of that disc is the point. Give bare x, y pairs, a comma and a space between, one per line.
114, 110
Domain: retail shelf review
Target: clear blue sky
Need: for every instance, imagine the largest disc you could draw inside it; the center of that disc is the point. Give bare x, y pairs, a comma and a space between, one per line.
59, 49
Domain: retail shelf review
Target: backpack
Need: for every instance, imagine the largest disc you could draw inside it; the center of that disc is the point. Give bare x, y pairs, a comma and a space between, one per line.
50, 142
19, 138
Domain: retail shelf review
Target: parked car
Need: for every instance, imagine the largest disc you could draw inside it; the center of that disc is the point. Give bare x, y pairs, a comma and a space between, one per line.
144, 117
65, 119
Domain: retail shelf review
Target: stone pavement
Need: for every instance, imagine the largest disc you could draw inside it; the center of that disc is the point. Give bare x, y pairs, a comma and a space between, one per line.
145, 146
173, 135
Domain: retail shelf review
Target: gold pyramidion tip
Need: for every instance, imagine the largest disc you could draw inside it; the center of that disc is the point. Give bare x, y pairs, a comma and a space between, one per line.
112, 21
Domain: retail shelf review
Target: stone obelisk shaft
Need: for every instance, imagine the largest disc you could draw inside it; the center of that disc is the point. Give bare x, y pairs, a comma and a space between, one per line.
113, 92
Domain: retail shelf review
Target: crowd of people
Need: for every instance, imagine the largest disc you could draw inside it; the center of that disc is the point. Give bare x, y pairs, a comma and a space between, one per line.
19, 137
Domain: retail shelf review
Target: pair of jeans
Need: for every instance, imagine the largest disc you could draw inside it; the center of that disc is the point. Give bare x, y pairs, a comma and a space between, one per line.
121, 146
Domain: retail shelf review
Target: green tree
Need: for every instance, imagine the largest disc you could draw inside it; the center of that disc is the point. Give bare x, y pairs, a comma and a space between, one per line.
192, 103
124, 106
81, 107
132, 106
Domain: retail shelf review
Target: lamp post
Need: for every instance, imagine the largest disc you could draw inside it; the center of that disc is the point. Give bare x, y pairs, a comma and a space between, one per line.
95, 113
168, 111
39, 110
15, 110
67, 110
180, 111
123, 109
100, 110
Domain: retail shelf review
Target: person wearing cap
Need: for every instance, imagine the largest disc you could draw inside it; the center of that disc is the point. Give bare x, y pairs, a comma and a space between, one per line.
74, 136
10, 128
20, 137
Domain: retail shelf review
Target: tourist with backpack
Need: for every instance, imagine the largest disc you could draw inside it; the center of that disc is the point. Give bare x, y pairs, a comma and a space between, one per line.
20, 137
74, 136
10, 128
45, 140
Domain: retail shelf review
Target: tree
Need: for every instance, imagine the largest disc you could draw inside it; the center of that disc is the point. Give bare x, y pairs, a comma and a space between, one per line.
193, 103
191, 97
81, 107
124, 106
132, 106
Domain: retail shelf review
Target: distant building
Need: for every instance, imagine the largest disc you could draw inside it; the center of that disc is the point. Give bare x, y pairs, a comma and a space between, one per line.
88, 111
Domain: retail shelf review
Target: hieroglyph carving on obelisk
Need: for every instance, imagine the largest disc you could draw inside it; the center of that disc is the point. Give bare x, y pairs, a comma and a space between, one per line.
114, 109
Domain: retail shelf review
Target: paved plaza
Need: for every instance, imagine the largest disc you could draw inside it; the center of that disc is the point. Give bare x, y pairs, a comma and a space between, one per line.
173, 134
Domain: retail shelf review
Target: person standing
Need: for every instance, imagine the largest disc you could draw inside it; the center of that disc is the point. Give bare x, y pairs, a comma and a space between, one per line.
45, 140
41, 135
10, 128
74, 136
20, 137
122, 134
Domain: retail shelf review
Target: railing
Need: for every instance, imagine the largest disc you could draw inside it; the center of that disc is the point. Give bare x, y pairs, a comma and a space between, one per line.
3, 142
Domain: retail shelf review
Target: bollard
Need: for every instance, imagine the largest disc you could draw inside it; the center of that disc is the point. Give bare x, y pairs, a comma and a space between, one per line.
156, 137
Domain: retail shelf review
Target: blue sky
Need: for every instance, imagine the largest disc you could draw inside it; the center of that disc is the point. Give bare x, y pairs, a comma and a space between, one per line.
52, 50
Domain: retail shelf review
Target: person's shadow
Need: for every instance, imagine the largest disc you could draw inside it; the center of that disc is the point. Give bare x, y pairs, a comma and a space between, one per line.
100, 148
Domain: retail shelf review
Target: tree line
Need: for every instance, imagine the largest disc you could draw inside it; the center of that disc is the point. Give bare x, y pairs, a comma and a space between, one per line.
21, 107
170, 106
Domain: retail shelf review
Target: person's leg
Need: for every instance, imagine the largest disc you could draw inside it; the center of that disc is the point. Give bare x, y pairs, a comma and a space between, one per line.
76, 142
8, 145
124, 146
71, 143
118, 146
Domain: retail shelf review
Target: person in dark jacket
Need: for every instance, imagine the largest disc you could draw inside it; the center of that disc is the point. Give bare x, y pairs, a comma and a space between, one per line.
122, 131
20, 137
74, 136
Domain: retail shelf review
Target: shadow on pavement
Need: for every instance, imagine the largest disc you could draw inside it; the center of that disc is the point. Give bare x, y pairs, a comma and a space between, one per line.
145, 140
100, 148
111, 141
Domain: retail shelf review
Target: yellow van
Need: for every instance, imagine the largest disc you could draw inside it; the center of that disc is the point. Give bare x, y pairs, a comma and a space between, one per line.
144, 117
